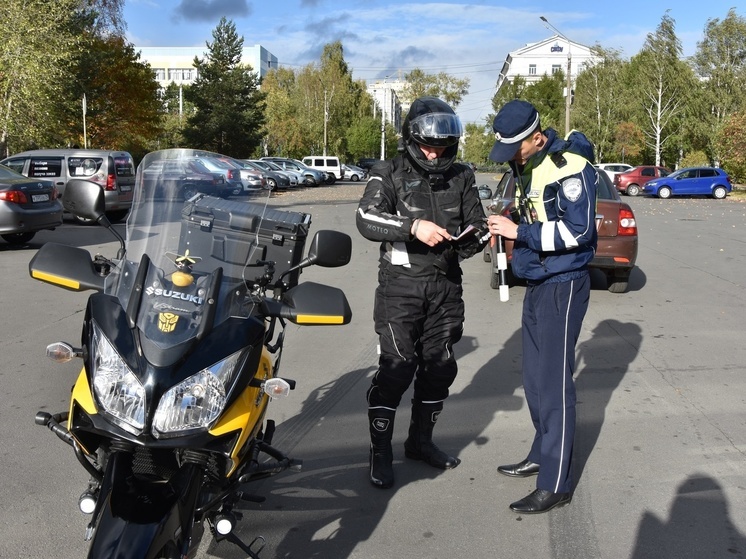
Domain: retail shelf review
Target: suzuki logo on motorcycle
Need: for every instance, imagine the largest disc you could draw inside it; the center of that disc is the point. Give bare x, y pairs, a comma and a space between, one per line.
167, 321
160, 292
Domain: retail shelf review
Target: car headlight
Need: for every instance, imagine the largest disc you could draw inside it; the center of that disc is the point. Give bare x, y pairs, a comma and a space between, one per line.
118, 390
196, 402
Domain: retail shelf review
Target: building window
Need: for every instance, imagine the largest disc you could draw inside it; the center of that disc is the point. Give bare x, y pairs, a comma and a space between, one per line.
532, 69
186, 75
160, 74
556, 68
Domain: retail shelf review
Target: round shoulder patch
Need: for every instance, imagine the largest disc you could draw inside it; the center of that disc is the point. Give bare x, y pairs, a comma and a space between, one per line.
572, 188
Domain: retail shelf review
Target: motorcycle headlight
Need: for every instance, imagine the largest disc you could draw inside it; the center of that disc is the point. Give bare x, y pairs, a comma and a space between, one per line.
118, 390
196, 402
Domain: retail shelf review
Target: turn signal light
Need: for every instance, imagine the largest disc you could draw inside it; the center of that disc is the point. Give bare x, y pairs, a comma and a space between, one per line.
627, 223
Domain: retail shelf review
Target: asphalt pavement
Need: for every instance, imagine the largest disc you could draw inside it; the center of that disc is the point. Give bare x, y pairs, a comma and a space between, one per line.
660, 454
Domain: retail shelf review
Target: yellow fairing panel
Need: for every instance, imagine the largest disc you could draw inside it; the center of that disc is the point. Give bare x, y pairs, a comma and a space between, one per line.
56, 280
245, 414
82, 395
319, 319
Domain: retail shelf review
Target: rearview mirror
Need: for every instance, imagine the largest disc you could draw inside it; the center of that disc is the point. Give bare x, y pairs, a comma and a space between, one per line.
330, 249
485, 192
84, 199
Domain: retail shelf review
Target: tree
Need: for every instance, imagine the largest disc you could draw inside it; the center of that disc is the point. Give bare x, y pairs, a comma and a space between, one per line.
477, 144
442, 85
720, 62
35, 66
596, 107
124, 111
229, 108
664, 83
729, 143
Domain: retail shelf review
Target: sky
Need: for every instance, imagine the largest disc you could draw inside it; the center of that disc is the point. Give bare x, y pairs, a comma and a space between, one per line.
381, 38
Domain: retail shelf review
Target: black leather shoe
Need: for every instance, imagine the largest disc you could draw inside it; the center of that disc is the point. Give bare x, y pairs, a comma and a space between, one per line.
540, 500
522, 469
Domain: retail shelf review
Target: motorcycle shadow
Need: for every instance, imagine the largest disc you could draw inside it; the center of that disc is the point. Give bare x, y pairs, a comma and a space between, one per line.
330, 510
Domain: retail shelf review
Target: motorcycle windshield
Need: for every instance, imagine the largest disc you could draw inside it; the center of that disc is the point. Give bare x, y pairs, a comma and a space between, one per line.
167, 281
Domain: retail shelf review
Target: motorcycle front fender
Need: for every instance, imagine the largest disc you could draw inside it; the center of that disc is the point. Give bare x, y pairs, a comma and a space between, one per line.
142, 519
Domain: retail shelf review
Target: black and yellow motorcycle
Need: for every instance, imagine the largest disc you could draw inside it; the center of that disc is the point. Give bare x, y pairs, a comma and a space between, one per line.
181, 348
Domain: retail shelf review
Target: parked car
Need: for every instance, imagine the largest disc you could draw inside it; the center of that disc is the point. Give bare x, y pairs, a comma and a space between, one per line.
231, 172
367, 162
114, 171
616, 252
355, 173
181, 179
26, 206
692, 181
329, 164
312, 177
294, 178
631, 182
613, 169
252, 178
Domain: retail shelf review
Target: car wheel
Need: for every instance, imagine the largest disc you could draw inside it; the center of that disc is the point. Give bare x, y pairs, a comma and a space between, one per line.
719, 193
664, 192
617, 282
117, 216
18, 238
330, 179
633, 190
270, 185
354, 178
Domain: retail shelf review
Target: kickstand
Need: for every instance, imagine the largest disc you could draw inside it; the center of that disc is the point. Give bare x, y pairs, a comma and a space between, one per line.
235, 540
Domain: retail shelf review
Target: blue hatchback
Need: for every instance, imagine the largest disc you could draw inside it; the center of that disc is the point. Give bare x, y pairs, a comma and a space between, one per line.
702, 181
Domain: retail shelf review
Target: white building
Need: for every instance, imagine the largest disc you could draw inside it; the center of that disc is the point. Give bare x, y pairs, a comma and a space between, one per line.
546, 57
386, 96
176, 64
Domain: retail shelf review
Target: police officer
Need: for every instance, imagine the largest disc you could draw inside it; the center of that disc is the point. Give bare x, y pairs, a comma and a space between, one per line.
414, 205
554, 242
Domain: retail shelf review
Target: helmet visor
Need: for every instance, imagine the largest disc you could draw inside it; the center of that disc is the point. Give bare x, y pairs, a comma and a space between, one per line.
436, 129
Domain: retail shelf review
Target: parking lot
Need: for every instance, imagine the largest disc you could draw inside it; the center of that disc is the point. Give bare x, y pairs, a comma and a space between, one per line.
660, 455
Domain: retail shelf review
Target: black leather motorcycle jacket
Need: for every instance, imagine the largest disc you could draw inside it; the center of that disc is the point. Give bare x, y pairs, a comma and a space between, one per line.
397, 193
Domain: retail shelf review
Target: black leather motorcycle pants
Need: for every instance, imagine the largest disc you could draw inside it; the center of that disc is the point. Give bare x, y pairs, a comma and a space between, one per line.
418, 320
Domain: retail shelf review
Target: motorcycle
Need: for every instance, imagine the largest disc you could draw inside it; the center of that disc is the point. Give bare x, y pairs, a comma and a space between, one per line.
181, 348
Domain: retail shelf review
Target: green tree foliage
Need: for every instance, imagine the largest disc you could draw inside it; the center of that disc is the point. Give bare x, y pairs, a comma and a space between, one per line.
320, 108
597, 110
729, 143
229, 108
664, 83
124, 111
442, 85
36, 55
477, 144
720, 61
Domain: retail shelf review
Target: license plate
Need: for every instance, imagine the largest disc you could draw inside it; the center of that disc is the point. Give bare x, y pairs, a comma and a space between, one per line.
125, 187
40, 197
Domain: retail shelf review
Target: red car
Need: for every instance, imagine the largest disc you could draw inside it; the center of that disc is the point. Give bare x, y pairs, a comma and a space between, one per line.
631, 182
616, 252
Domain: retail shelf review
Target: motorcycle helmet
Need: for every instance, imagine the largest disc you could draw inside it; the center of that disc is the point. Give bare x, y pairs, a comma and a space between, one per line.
431, 122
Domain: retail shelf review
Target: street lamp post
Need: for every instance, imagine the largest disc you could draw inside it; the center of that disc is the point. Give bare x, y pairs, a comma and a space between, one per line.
568, 98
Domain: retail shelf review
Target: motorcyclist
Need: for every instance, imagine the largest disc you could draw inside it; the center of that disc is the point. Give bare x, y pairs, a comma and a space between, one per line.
415, 205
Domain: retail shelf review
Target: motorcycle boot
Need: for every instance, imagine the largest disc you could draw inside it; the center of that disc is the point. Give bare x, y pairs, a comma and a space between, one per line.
419, 444
381, 421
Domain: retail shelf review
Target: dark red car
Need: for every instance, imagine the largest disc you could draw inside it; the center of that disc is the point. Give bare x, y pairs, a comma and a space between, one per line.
616, 252
631, 182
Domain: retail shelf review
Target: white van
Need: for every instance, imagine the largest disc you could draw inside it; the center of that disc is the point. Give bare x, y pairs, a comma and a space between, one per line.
330, 165
114, 171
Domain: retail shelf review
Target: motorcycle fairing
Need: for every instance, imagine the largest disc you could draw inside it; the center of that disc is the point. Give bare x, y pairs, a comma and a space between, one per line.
140, 519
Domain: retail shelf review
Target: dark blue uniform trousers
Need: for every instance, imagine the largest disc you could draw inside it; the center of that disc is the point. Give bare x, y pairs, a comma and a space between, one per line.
552, 317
